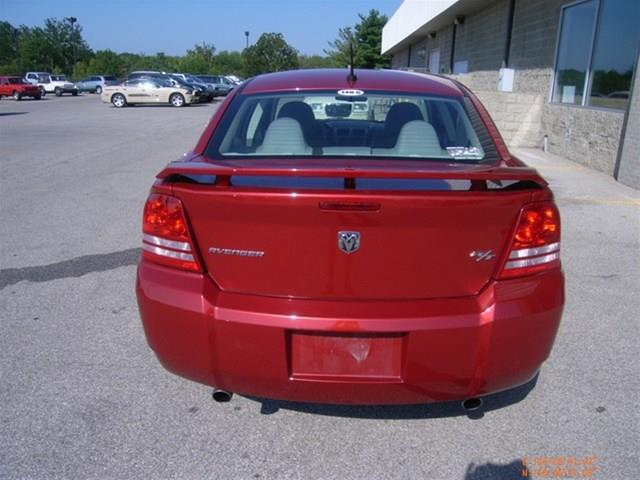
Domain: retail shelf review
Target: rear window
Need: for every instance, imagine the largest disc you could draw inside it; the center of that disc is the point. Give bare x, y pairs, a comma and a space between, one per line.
352, 123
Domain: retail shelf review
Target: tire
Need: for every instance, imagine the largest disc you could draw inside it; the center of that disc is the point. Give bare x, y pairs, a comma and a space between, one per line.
58, 92
177, 100
74, 93
42, 92
118, 100
17, 96
98, 90
37, 96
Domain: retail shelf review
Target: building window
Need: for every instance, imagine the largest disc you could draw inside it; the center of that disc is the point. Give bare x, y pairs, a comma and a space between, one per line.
597, 50
422, 56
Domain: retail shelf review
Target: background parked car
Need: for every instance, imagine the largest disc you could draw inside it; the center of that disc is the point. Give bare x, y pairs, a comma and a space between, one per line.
17, 87
221, 84
235, 79
95, 83
49, 83
207, 93
175, 80
149, 90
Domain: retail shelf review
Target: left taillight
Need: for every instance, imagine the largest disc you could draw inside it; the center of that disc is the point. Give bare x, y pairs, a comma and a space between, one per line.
535, 245
165, 234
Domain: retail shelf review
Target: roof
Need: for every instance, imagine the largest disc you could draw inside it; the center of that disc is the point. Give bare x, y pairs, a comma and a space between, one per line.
415, 19
336, 79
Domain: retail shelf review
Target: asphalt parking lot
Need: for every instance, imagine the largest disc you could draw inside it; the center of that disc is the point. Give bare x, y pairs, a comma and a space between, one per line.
82, 396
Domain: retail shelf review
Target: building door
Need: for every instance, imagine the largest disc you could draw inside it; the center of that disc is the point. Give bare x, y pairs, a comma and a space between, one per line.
434, 61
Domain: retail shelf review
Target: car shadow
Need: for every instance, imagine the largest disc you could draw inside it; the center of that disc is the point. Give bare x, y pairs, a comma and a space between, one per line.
8, 114
492, 471
72, 268
402, 412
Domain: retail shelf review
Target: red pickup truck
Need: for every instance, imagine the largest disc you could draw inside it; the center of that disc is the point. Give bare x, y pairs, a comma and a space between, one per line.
351, 238
16, 87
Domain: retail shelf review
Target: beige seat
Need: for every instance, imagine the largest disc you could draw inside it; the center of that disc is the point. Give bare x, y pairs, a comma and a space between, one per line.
417, 138
284, 137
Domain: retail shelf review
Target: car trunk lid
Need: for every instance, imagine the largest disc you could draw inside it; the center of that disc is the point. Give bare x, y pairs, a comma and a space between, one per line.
346, 237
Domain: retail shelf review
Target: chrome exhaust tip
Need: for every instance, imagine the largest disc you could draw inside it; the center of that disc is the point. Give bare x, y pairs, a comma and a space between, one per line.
221, 396
473, 403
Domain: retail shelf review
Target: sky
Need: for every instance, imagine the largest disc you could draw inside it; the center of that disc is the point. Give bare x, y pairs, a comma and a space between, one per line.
173, 26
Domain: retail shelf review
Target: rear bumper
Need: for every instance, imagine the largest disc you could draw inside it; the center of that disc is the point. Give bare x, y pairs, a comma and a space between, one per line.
346, 352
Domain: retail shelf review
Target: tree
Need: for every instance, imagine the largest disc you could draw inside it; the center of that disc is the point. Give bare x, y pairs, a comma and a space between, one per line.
314, 61
271, 53
199, 59
338, 53
34, 50
8, 43
65, 38
366, 37
50, 47
104, 62
227, 63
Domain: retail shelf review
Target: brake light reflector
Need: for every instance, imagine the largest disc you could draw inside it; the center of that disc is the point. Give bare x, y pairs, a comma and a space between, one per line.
166, 239
536, 243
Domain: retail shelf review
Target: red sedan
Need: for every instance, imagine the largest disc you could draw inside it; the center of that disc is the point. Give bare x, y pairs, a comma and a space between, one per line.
18, 88
339, 238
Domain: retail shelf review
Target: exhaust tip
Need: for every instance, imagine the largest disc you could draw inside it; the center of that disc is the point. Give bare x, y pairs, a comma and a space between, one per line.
471, 404
221, 396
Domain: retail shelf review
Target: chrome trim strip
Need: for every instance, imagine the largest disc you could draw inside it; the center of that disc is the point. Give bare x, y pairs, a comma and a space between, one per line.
187, 257
184, 246
532, 252
530, 262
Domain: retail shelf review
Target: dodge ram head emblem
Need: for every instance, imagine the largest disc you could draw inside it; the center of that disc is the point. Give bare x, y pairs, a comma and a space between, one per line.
349, 242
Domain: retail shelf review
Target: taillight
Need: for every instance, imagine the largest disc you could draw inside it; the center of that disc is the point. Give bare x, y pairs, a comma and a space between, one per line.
165, 238
536, 242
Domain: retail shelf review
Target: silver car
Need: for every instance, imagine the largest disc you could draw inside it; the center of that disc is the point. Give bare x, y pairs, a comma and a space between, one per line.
95, 83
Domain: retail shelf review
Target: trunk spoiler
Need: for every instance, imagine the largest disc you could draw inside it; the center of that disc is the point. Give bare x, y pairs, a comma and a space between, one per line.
475, 173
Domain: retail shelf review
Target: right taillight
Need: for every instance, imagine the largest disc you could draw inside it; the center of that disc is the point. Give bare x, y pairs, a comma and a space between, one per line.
165, 234
536, 242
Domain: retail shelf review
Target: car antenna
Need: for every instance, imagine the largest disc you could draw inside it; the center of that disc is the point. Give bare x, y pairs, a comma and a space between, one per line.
351, 78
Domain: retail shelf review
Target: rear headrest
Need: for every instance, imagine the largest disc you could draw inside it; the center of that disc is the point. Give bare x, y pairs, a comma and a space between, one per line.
401, 113
284, 137
418, 138
297, 110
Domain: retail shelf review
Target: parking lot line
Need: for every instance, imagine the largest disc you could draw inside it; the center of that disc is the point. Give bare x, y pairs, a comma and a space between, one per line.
601, 201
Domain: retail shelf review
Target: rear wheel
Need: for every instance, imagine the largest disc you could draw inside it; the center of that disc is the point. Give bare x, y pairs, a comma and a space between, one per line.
58, 92
17, 96
99, 90
42, 92
37, 96
74, 93
176, 99
118, 100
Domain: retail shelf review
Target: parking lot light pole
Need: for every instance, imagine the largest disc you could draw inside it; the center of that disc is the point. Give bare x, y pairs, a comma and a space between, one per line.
72, 21
246, 34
